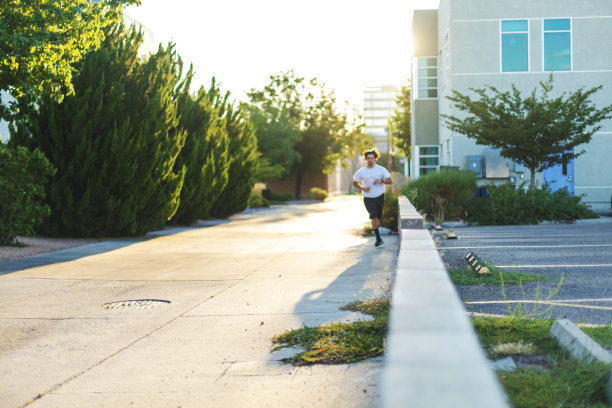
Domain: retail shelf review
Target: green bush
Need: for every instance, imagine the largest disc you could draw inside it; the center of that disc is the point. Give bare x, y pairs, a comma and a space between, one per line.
317, 193
114, 142
507, 205
442, 195
390, 210
281, 196
257, 201
23, 176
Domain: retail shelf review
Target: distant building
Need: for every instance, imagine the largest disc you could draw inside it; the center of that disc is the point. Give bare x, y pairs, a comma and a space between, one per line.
472, 43
379, 104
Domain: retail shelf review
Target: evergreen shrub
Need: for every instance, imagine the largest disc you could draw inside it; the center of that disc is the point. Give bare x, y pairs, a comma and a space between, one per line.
23, 176
507, 205
442, 195
242, 158
390, 210
317, 193
204, 154
114, 142
257, 201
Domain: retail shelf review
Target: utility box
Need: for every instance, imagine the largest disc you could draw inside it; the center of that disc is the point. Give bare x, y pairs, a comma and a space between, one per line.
475, 164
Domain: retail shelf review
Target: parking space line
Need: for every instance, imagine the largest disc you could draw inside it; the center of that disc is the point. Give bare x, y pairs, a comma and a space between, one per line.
547, 302
527, 246
555, 266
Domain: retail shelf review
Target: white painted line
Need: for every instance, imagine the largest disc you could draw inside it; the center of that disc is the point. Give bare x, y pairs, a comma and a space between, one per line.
530, 246
545, 302
554, 266
501, 235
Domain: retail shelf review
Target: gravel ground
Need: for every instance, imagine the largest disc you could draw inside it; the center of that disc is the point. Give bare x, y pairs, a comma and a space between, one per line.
40, 245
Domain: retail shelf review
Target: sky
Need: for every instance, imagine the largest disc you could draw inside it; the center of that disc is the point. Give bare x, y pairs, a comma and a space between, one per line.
347, 44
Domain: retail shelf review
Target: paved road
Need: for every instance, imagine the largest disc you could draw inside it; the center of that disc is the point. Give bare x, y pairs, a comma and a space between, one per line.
581, 253
219, 294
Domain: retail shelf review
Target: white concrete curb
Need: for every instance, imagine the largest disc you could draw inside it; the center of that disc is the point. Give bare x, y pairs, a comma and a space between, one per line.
581, 346
432, 358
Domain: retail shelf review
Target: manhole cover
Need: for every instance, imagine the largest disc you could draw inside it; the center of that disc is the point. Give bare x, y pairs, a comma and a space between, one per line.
135, 304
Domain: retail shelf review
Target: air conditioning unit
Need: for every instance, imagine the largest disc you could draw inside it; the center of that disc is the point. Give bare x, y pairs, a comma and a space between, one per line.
475, 164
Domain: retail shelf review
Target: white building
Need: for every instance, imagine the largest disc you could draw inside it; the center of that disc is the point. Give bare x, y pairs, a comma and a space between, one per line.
379, 104
472, 43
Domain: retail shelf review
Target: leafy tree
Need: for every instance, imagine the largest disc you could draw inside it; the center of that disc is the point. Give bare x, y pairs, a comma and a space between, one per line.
276, 112
299, 128
205, 153
399, 123
23, 175
114, 142
41, 40
538, 131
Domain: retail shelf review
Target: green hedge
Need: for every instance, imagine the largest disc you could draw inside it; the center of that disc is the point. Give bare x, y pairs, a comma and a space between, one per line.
23, 177
257, 201
390, 210
442, 195
317, 194
507, 205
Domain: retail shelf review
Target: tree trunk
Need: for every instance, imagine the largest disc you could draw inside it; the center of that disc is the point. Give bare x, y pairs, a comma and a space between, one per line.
532, 181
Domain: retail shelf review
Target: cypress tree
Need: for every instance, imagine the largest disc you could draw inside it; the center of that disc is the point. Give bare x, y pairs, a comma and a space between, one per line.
114, 142
242, 162
205, 153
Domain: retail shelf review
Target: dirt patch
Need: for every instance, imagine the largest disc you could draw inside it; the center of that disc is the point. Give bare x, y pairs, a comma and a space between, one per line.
41, 245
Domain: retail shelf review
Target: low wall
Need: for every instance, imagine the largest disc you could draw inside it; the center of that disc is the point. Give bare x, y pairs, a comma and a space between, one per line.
433, 357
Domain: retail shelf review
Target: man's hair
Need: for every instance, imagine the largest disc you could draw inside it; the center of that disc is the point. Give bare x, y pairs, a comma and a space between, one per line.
373, 151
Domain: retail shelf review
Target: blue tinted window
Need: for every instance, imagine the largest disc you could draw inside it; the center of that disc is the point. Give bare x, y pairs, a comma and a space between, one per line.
515, 52
508, 26
557, 24
557, 45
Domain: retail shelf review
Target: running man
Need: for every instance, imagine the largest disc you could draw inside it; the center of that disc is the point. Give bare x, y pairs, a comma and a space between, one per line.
371, 180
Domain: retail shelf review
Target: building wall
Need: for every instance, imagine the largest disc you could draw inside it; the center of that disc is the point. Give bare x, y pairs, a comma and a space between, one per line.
379, 104
468, 47
287, 184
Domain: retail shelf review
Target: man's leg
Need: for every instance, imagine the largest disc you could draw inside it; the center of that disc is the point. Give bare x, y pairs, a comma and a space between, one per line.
376, 221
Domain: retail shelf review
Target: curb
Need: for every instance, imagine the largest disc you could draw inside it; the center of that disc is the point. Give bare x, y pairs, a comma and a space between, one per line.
581, 346
433, 357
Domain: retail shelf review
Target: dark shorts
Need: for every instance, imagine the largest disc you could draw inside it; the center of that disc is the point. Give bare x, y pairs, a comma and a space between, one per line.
374, 205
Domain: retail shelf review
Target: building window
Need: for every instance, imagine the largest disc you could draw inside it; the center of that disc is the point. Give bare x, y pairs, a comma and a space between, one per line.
514, 45
557, 44
428, 159
427, 78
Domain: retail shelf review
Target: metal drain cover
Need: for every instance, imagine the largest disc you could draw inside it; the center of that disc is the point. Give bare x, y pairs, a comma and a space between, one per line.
135, 304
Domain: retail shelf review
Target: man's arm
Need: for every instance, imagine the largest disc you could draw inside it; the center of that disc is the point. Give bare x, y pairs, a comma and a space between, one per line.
359, 187
382, 181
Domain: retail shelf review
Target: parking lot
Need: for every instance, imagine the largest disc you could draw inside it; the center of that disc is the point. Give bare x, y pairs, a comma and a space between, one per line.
578, 254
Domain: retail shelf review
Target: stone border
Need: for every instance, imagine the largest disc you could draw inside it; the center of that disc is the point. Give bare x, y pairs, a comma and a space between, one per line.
581, 346
433, 357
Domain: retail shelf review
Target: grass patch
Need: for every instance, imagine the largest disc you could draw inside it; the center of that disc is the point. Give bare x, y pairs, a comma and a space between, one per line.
468, 276
496, 331
601, 334
567, 383
338, 343
366, 231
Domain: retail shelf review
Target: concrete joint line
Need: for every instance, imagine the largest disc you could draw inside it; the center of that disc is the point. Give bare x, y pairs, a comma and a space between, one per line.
75, 376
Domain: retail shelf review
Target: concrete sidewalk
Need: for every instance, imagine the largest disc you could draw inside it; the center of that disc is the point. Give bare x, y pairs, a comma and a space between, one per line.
210, 300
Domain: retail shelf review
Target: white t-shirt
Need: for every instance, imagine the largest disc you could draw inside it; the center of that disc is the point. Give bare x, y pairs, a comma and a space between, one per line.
366, 176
